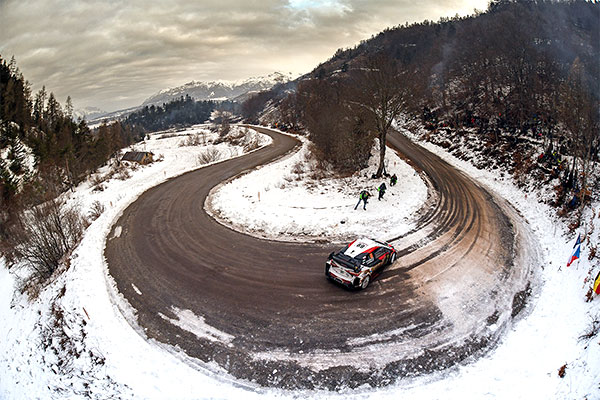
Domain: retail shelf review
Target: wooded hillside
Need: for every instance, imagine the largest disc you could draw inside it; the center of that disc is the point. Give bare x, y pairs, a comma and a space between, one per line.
45, 151
523, 77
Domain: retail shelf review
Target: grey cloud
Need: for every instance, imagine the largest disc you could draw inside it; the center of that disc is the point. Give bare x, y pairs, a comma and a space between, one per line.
115, 53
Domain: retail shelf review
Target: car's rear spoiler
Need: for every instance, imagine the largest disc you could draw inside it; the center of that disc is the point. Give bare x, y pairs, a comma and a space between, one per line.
346, 261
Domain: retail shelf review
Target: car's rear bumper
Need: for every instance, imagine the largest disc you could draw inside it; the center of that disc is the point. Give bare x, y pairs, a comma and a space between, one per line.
349, 283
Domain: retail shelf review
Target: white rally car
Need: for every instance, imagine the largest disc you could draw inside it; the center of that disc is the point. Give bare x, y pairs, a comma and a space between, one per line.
358, 263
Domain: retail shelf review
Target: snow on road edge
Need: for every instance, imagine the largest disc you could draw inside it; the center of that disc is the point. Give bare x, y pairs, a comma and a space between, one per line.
523, 366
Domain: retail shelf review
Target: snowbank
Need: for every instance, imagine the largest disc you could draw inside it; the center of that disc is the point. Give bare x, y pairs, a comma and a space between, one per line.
284, 201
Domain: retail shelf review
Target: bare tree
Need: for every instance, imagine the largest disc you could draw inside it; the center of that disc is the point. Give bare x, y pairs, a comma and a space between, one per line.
382, 90
340, 135
580, 116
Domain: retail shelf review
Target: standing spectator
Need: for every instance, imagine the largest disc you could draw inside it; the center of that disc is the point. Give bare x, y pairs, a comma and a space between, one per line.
382, 188
364, 197
393, 180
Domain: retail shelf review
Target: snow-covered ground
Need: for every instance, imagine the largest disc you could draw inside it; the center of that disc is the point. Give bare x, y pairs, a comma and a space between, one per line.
284, 201
113, 360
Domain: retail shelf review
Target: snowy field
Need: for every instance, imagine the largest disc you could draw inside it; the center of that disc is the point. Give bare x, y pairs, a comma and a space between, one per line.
114, 360
284, 201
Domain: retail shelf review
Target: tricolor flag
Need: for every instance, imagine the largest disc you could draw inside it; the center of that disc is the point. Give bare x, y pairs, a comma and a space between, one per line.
597, 284
576, 251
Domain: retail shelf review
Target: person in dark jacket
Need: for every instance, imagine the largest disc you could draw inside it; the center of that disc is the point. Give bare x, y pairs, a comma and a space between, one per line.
381, 189
393, 180
364, 197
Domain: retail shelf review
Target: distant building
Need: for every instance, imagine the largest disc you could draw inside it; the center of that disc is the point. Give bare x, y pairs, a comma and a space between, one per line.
140, 157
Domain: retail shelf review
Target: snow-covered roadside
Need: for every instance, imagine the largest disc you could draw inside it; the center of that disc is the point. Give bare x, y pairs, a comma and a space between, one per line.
526, 362
285, 201
525, 365
111, 359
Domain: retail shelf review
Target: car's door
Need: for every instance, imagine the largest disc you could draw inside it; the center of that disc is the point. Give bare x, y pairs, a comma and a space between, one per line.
379, 258
370, 261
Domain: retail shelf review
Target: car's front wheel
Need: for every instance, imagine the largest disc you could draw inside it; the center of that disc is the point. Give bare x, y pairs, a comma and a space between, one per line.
365, 282
392, 258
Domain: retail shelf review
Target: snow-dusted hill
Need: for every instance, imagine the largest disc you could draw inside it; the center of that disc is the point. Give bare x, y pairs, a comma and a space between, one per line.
219, 90
89, 113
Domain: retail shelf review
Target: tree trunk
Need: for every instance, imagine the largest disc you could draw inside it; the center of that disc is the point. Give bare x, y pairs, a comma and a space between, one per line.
382, 145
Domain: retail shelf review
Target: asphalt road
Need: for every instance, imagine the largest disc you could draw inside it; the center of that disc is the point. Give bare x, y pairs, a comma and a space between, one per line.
264, 311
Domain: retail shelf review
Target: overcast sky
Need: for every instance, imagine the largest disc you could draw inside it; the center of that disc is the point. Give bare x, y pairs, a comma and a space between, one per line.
114, 54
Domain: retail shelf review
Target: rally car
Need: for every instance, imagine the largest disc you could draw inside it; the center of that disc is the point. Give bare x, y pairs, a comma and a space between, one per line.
358, 263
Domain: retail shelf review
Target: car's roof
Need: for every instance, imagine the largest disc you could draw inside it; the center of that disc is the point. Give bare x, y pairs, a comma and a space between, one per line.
362, 245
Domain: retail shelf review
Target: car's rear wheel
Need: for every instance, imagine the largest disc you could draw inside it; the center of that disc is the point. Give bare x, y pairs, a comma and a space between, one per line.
365, 282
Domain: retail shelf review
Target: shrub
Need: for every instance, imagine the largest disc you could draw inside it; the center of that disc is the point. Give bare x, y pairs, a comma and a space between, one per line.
123, 174
119, 171
97, 180
42, 237
298, 168
592, 330
208, 156
251, 144
191, 140
96, 210
562, 371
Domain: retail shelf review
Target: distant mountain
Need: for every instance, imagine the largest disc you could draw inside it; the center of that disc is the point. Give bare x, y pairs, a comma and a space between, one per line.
88, 113
110, 116
219, 90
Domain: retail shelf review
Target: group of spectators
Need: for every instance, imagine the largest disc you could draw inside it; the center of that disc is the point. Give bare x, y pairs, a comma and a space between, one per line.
364, 194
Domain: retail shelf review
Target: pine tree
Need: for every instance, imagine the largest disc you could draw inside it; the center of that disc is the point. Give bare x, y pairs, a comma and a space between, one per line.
38, 106
69, 108
8, 185
53, 110
16, 156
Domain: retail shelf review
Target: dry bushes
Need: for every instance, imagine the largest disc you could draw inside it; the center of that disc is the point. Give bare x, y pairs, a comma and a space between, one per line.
243, 138
192, 140
96, 211
97, 182
298, 169
251, 143
592, 329
226, 135
118, 170
40, 239
208, 156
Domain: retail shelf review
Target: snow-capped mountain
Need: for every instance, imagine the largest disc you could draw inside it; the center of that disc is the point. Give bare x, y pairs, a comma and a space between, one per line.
219, 90
88, 113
